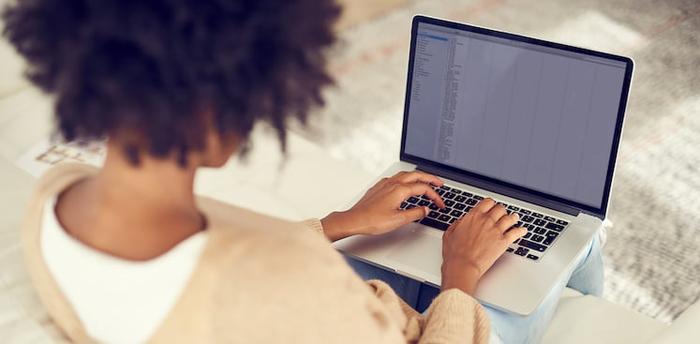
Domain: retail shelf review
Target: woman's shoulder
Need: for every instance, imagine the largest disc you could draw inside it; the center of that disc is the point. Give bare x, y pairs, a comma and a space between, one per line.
233, 225
242, 234
253, 248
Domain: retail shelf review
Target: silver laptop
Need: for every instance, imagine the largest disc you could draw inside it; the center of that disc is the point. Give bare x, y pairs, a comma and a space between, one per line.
535, 125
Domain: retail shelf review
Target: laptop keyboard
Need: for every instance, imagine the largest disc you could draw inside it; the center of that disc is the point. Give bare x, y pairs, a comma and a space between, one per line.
542, 230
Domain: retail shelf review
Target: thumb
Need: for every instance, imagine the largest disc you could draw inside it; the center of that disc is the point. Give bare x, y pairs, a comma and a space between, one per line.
414, 214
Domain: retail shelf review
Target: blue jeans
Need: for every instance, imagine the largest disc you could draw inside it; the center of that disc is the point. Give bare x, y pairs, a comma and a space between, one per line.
586, 277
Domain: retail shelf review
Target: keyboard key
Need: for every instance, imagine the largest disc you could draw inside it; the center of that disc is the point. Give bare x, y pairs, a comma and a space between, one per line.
433, 214
460, 198
423, 203
519, 224
433, 206
510, 249
513, 208
467, 194
527, 219
412, 200
532, 245
449, 195
452, 220
472, 201
455, 191
549, 218
434, 223
554, 226
460, 206
527, 235
540, 222
403, 205
537, 238
548, 241
478, 197
441, 192
562, 222
503, 204
552, 234
445, 187
537, 215
445, 210
521, 251
456, 213
449, 202
533, 257
530, 227
540, 230
444, 218
410, 206
468, 209
525, 212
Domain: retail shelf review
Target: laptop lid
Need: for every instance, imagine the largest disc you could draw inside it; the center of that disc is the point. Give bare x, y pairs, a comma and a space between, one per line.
527, 118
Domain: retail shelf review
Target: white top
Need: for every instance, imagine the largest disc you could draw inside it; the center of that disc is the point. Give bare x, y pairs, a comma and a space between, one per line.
118, 301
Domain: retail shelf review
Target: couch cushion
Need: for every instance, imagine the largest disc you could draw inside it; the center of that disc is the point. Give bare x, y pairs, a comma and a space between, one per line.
588, 319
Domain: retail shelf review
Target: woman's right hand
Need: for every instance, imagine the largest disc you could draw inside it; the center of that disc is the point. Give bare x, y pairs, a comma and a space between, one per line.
471, 245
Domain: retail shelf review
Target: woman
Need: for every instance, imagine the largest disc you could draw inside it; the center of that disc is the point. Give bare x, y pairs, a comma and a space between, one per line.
127, 253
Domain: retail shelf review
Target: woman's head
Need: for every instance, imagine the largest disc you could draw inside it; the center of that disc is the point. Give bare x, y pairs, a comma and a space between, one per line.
171, 77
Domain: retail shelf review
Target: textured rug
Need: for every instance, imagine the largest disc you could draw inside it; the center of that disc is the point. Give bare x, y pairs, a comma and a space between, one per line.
652, 254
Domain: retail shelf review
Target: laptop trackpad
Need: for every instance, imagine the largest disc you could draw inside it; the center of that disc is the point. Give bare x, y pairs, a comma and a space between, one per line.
421, 251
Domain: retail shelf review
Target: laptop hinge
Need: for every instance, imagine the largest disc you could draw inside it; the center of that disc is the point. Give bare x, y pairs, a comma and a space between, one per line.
600, 216
503, 190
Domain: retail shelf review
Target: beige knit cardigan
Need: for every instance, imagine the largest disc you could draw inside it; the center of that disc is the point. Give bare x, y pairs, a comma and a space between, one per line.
265, 280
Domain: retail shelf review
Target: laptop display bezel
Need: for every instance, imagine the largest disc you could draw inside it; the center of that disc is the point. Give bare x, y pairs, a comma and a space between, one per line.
509, 189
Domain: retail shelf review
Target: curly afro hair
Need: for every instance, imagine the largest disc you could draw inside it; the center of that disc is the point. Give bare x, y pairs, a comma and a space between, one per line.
152, 67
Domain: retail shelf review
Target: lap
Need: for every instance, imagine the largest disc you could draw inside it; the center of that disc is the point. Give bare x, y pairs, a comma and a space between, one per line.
408, 289
586, 277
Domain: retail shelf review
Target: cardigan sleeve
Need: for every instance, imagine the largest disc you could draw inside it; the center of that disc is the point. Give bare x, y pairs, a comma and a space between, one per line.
453, 317
314, 225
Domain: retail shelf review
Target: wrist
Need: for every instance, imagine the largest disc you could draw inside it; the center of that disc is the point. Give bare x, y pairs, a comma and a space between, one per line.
337, 225
460, 275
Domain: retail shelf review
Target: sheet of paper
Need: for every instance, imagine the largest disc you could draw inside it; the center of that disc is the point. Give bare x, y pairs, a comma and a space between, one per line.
46, 153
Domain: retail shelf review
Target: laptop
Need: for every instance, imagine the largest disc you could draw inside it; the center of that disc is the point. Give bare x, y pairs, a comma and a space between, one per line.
532, 124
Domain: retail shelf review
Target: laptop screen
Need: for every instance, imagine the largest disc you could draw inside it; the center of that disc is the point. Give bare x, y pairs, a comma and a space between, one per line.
526, 114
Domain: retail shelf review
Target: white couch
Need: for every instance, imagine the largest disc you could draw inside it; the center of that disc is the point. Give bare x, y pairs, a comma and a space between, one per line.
298, 190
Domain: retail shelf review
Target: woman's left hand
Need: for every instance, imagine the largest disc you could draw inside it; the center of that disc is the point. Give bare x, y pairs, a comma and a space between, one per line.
378, 211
